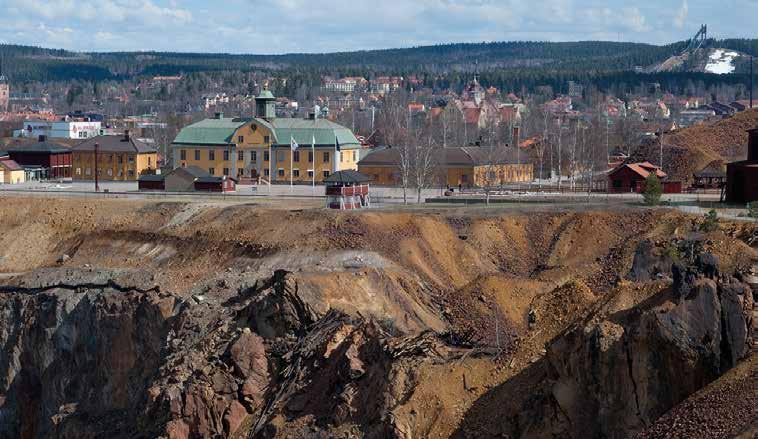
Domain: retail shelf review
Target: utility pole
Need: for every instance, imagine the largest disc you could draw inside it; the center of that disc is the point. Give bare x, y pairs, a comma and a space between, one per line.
751, 81
97, 170
660, 142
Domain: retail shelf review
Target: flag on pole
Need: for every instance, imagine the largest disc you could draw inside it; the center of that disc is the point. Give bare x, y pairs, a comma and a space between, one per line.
293, 145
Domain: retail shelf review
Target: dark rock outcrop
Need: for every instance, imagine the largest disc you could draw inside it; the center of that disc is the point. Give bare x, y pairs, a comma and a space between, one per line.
617, 372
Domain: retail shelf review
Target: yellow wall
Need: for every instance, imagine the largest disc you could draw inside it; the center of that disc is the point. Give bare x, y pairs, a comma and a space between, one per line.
13, 177
255, 140
348, 160
467, 177
503, 174
205, 163
129, 168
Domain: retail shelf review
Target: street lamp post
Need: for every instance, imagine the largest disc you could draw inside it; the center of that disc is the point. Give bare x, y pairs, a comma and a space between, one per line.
97, 171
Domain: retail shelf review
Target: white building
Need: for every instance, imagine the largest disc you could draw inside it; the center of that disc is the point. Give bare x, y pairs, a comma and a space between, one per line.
60, 130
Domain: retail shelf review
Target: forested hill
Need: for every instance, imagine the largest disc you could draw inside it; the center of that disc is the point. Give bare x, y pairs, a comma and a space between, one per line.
23, 63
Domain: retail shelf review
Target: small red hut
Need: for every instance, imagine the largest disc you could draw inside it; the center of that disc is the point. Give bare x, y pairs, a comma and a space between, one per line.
347, 190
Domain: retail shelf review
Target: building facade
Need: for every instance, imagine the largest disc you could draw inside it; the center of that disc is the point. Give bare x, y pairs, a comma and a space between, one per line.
116, 158
454, 167
261, 147
61, 129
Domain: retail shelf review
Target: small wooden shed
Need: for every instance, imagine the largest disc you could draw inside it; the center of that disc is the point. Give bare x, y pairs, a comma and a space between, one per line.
347, 190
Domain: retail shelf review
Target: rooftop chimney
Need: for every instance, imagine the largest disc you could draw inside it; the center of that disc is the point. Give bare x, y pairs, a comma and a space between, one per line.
516, 134
42, 137
126, 135
752, 145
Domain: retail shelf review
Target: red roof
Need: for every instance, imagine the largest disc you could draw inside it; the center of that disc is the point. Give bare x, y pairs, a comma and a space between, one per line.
11, 165
644, 169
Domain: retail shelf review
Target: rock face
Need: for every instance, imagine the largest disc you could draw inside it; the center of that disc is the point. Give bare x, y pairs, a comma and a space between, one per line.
617, 372
618, 375
90, 357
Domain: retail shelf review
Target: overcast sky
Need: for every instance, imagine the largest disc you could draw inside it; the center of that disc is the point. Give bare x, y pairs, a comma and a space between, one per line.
282, 26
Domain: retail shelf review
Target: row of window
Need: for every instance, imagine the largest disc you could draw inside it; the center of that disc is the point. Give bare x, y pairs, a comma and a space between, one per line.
295, 172
109, 172
266, 139
281, 157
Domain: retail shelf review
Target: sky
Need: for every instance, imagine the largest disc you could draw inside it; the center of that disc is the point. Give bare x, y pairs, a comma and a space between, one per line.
287, 26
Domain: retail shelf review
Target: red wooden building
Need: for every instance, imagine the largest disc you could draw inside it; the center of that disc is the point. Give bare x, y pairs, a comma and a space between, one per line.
630, 177
347, 190
742, 177
215, 184
151, 182
52, 159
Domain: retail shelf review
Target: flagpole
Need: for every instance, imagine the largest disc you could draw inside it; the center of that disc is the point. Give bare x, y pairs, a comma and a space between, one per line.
292, 160
270, 163
313, 164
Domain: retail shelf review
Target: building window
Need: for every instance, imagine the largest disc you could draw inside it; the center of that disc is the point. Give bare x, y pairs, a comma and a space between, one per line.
281, 172
354, 154
110, 172
131, 159
120, 159
280, 157
241, 156
226, 155
183, 154
266, 156
266, 172
326, 157
240, 139
266, 139
149, 161
296, 156
131, 172
253, 156
211, 154
226, 171
310, 173
310, 156
240, 172
88, 171
325, 174
211, 171
197, 154
78, 171
296, 173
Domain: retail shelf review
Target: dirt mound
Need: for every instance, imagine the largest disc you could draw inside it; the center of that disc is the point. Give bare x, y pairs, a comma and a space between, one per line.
691, 149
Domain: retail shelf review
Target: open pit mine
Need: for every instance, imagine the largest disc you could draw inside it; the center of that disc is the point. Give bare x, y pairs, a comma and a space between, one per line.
140, 319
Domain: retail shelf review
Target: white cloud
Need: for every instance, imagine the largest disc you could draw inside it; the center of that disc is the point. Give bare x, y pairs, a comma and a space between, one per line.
278, 26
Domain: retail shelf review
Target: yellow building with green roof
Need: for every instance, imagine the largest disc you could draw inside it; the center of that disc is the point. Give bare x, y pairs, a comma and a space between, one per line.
249, 148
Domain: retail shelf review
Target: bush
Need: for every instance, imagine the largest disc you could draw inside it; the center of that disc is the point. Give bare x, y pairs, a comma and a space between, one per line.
711, 222
752, 209
653, 190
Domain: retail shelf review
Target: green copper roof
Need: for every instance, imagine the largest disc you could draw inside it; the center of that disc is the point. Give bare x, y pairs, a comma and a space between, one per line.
266, 94
303, 131
221, 132
210, 131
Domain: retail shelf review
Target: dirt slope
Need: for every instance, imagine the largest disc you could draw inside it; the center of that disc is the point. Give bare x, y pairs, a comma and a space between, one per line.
249, 322
691, 149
